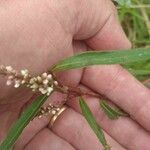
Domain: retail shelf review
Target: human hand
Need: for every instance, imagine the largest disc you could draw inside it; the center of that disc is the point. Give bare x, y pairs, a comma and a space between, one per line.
35, 35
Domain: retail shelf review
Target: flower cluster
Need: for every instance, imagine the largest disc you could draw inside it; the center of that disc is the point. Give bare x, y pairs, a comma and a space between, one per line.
43, 83
50, 109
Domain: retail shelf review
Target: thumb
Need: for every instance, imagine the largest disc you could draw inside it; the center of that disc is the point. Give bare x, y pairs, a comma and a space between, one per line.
98, 24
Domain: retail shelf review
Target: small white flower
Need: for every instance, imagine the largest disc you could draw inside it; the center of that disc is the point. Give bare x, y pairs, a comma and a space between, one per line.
39, 79
49, 89
23, 82
33, 90
26, 76
49, 77
14, 72
24, 72
11, 77
48, 94
9, 68
45, 82
2, 67
35, 79
40, 89
53, 112
34, 86
44, 75
32, 81
43, 91
28, 85
40, 116
55, 82
17, 83
9, 82
57, 109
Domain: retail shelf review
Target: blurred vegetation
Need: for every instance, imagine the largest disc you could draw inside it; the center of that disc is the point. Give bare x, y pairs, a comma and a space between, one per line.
135, 18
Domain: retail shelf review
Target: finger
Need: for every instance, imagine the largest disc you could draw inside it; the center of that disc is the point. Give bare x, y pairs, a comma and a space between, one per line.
67, 129
49, 141
72, 127
124, 130
123, 89
111, 36
73, 77
37, 124
98, 24
32, 129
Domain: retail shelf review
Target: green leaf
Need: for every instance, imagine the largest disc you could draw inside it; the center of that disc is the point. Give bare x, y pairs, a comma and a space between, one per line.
124, 3
111, 112
141, 69
93, 124
22, 122
98, 58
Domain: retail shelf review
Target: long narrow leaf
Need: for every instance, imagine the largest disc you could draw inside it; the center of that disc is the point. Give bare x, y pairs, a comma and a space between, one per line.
96, 58
92, 122
22, 122
111, 112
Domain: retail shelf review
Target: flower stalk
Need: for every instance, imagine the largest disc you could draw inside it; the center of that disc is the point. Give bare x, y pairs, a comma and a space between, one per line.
44, 83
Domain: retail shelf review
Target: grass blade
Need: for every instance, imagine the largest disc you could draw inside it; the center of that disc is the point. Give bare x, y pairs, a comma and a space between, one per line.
22, 122
123, 3
111, 112
96, 58
93, 124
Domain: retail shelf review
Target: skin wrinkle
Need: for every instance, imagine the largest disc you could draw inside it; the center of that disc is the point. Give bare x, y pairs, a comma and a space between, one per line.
61, 8
77, 12
94, 22
104, 24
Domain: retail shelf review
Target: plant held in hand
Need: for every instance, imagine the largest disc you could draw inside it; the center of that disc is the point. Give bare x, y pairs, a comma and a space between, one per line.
47, 83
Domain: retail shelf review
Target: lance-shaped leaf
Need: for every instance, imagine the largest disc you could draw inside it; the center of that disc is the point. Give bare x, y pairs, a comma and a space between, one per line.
22, 122
112, 112
93, 124
98, 58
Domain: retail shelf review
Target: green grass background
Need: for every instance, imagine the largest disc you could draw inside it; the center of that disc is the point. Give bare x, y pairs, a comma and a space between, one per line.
135, 19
